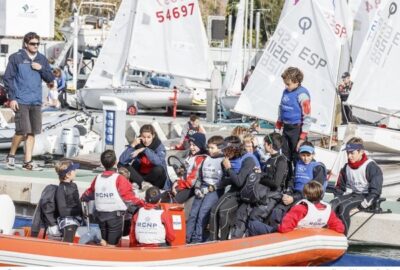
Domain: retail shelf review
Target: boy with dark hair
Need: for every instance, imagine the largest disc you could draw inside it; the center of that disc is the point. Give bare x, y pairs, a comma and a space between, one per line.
160, 232
294, 114
359, 184
311, 212
273, 179
207, 189
23, 80
113, 195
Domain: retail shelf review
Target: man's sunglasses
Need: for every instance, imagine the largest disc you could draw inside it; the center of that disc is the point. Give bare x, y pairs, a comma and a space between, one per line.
34, 43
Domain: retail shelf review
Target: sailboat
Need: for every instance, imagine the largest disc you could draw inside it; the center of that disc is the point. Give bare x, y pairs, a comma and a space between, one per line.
165, 37
305, 39
231, 88
375, 84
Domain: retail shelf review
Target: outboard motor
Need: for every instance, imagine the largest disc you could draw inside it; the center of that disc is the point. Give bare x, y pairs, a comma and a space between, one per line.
70, 142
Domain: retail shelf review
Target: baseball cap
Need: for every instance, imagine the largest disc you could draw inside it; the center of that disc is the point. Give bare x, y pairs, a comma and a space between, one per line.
306, 149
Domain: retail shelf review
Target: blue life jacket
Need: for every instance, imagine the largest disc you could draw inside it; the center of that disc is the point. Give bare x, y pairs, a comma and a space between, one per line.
237, 162
290, 106
304, 173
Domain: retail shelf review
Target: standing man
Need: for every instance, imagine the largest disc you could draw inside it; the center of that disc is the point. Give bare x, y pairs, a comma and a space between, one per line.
23, 80
294, 116
344, 89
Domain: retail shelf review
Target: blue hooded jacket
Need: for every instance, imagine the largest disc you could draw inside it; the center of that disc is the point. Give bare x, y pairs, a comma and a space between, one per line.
23, 83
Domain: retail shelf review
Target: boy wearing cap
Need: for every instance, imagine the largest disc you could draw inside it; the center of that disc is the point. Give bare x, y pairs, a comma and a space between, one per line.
113, 195
307, 169
207, 189
359, 184
183, 186
151, 226
311, 212
192, 127
67, 199
344, 89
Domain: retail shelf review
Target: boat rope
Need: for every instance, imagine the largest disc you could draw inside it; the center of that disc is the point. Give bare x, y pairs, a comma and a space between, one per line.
362, 225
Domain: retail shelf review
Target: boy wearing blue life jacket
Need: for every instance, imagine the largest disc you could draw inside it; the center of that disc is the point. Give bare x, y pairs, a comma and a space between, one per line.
307, 169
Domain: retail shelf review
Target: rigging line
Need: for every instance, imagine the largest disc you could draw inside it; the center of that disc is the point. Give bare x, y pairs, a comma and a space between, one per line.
362, 225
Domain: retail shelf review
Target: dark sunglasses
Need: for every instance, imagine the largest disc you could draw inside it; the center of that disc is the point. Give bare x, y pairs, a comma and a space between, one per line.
34, 43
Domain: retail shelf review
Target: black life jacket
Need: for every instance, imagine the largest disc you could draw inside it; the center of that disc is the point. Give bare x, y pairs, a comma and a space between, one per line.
252, 191
46, 212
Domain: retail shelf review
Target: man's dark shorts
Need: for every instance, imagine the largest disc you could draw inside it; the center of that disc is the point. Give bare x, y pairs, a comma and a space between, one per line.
28, 119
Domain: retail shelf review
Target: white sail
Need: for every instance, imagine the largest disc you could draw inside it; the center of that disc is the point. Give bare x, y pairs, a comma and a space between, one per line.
234, 73
303, 39
109, 68
169, 38
363, 12
375, 74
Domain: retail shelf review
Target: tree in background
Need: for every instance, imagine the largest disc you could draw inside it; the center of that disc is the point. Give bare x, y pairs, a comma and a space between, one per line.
270, 12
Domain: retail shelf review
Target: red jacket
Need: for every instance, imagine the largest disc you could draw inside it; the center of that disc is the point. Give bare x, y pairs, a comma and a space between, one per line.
124, 188
165, 219
191, 177
299, 211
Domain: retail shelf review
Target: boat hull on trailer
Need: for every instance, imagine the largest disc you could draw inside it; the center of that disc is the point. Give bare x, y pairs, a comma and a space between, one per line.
376, 139
142, 97
300, 247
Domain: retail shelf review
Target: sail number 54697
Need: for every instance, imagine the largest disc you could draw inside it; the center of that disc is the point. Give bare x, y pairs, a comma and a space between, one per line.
175, 13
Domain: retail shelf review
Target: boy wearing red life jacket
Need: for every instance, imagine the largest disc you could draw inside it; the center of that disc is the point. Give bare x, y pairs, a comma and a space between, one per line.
151, 226
311, 212
113, 196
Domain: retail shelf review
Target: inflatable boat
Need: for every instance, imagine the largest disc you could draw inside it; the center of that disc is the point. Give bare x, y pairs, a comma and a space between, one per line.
298, 248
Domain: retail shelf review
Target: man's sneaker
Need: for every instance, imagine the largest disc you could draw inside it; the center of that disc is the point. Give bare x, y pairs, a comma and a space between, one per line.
30, 166
10, 160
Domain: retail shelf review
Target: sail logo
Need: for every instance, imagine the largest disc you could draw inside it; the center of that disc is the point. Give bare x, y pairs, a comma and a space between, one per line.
305, 23
28, 11
392, 9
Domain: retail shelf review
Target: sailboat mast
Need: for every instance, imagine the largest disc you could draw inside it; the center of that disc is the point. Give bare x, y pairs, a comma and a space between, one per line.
251, 33
246, 17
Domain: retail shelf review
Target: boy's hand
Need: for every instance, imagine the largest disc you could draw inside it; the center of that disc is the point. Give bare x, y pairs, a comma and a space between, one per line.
226, 163
199, 194
14, 105
365, 203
